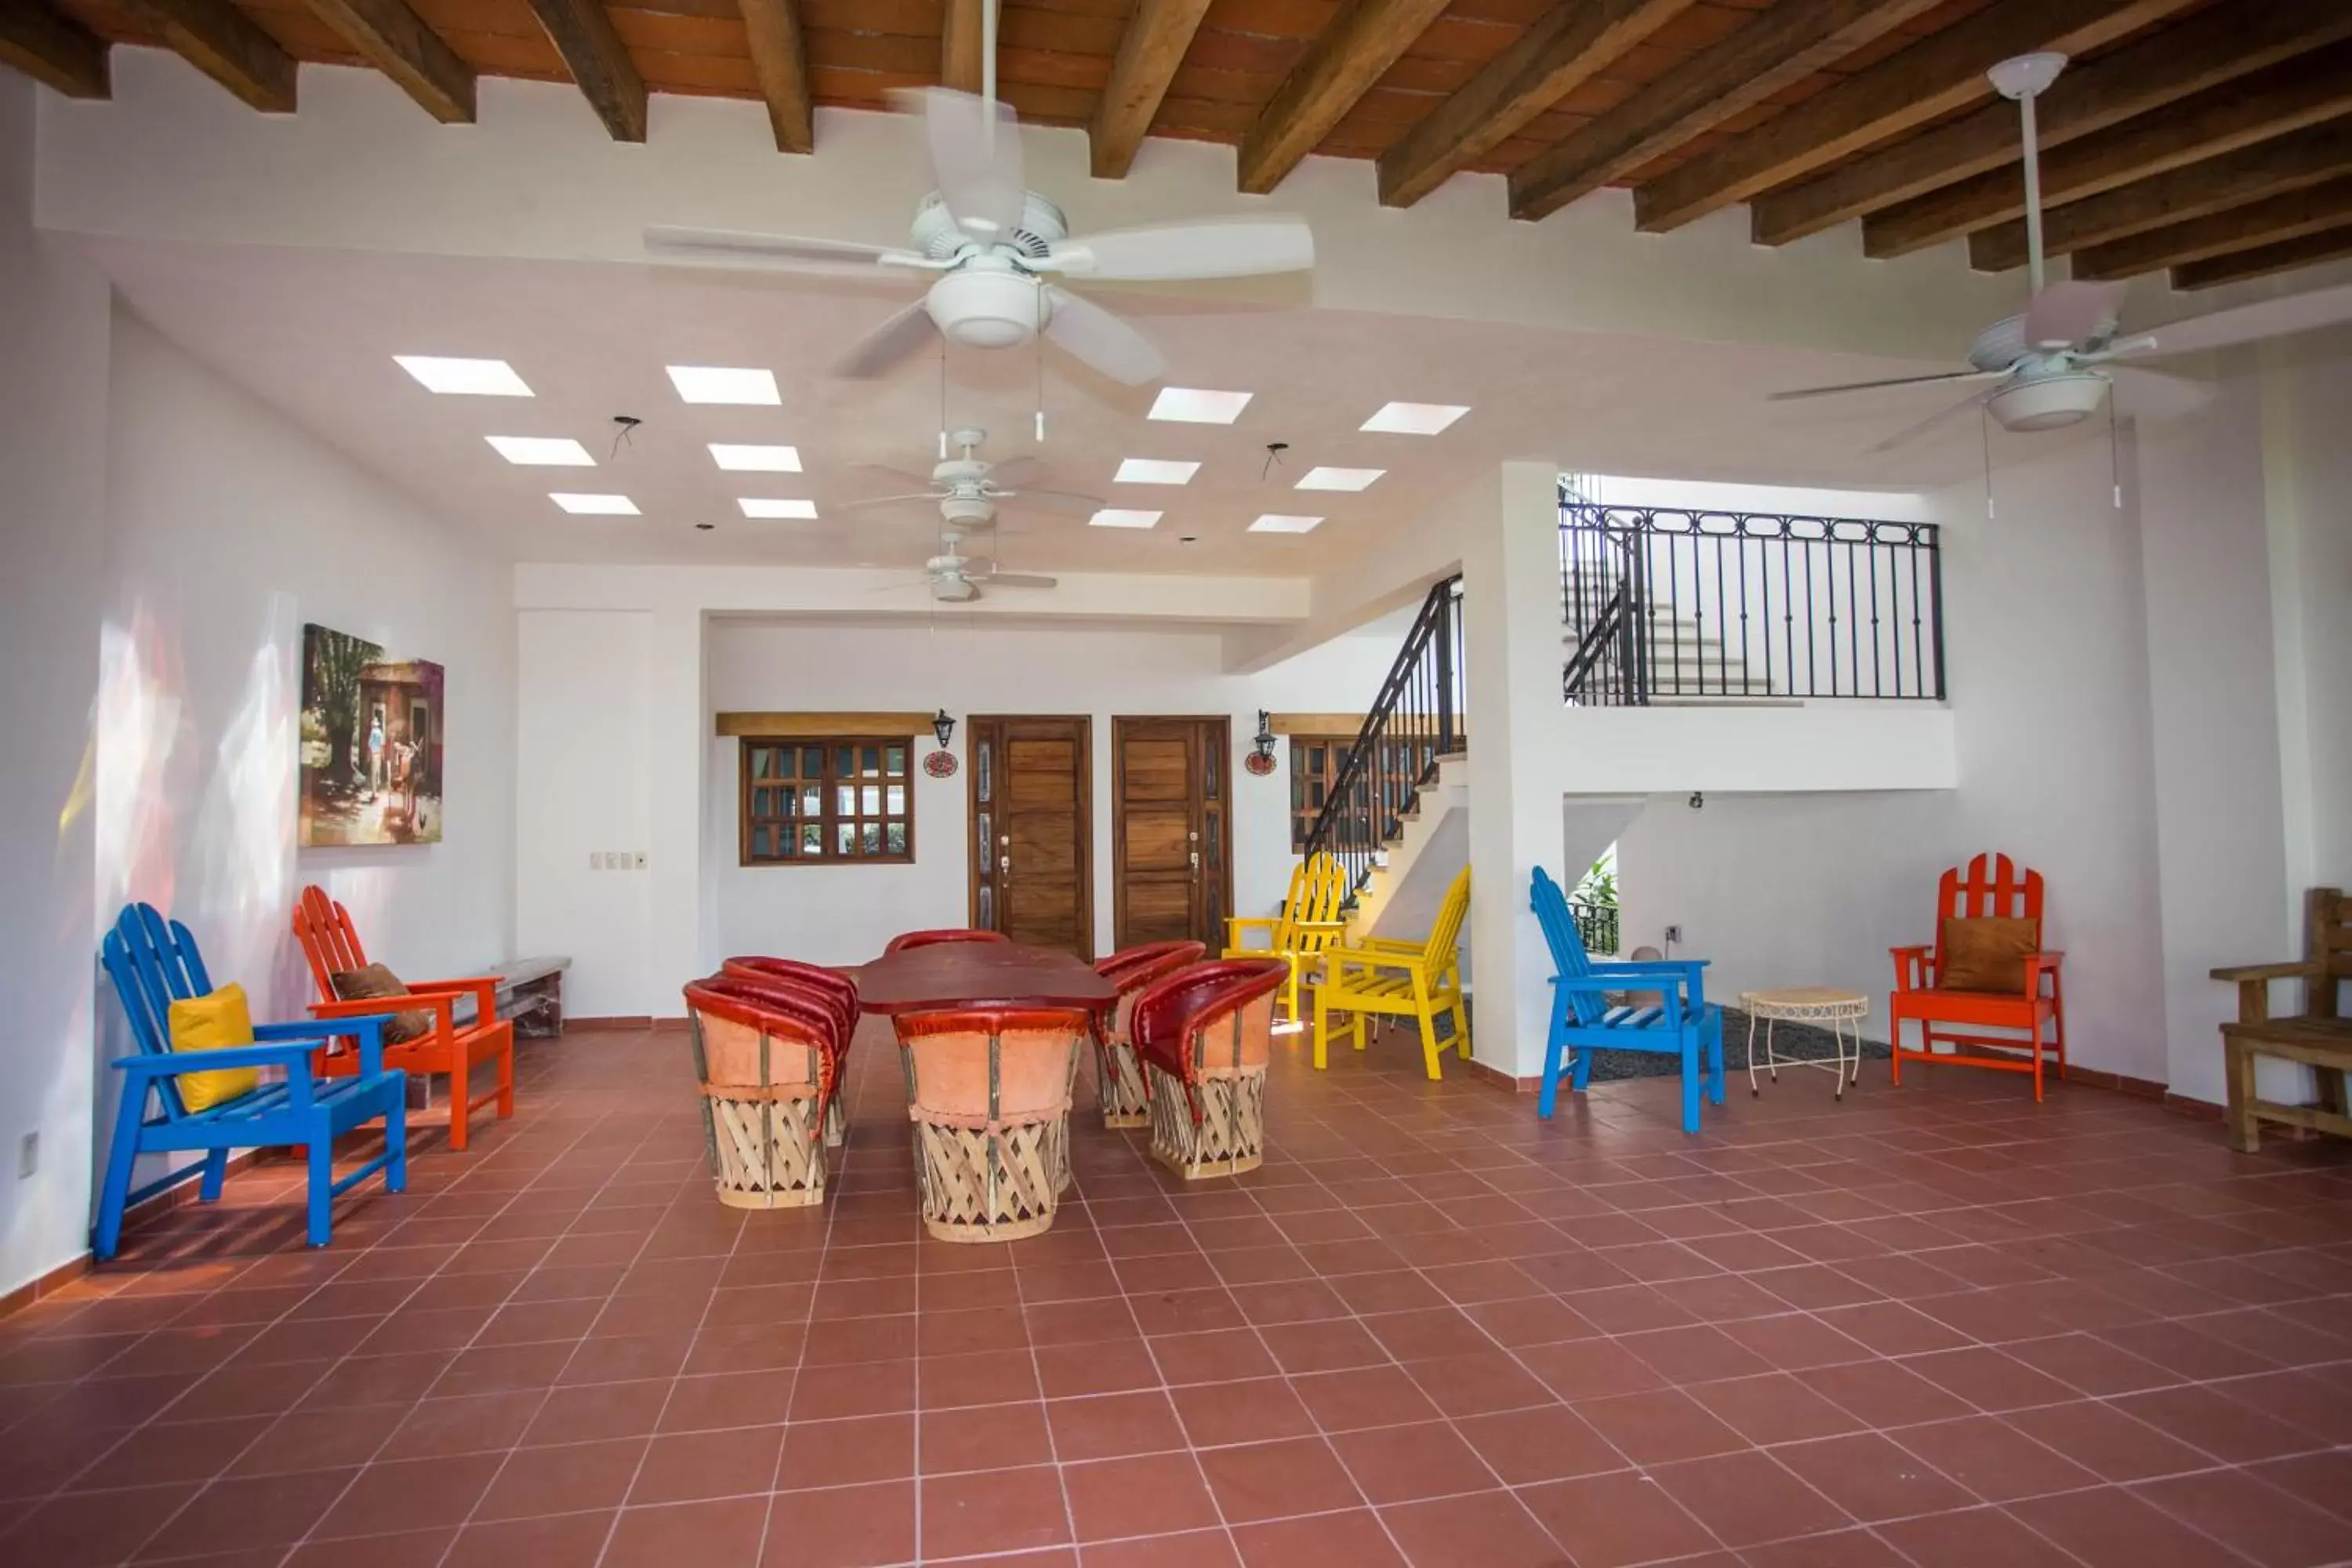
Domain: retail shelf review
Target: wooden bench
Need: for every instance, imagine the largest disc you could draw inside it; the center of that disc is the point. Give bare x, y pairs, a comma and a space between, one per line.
531, 993
2320, 1037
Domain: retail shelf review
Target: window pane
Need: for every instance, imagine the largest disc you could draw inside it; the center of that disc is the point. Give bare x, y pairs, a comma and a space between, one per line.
870, 839
894, 799
762, 759
896, 762
987, 907
845, 800
844, 761
845, 840
761, 843
811, 762
812, 801
871, 801
870, 761
897, 838
812, 839
984, 843
980, 771
1209, 772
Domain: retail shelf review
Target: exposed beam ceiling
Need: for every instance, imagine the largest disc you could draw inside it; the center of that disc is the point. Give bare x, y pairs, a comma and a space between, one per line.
2285, 98
1158, 36
2312, 210
60, 54
2216, 44
582, 34
1565, 48
2329, 245
1352, 53
224, 44
959, 41
397, 43
2252, 174
1781, 47
781, 64
1942, 72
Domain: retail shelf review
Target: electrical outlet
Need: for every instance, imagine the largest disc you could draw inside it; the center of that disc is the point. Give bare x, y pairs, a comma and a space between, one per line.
641, 860
28, 1155
1673, 933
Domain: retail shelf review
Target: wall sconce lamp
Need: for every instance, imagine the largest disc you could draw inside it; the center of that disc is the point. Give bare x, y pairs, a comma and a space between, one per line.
944, 728
1264, 742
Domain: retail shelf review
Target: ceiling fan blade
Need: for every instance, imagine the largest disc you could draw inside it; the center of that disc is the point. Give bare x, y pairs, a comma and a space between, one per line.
975, 157
773, 246
1102, 339
2251, 323
2072, 312
1240, 247
926, 496
1893, 381
1013, 471
1055, 500
1018, 580
1912, 432
906, 331
908, 476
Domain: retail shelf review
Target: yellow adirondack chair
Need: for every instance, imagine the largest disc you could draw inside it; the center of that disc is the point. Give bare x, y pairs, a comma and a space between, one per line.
1400, 979
1307, 922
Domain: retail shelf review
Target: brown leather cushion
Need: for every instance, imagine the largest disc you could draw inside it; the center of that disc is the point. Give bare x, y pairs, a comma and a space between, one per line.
1988, 954
376, 982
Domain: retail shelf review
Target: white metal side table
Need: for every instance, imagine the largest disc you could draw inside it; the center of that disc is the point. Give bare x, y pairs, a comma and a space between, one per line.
1840, 1011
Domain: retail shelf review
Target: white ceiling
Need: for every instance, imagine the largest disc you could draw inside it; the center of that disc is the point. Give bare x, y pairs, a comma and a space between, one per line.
313, 332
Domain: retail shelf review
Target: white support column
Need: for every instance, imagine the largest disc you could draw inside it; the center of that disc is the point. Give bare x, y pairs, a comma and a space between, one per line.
1510, 606
676, 752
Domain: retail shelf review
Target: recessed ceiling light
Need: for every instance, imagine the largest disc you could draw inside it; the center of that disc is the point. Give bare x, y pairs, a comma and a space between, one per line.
756, 460
1116, 517
755, 508
595, 505
475, 377
1192, 406
1281, 522
1339, 478
1154, 471
718, 383
542, 452
1414, 419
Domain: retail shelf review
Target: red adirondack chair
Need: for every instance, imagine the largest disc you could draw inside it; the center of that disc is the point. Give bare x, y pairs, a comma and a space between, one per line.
324, 928
2036, 1013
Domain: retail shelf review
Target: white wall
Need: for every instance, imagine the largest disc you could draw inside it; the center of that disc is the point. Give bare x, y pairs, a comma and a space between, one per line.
53, 337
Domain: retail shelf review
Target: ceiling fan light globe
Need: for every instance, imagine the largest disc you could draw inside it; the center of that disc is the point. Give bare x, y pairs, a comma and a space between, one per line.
2048, 402
987, 308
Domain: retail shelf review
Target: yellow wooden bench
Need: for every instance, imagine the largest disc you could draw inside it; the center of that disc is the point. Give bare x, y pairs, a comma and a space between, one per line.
1381, 977
1307, 922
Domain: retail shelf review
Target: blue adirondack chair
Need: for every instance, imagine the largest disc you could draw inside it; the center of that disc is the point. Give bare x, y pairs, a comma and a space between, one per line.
152, 962
1686, 1024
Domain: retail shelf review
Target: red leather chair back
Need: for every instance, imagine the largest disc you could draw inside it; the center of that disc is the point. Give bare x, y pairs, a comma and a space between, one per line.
1181, 1005
1134, 969
736, 1016
837, 988
906, 939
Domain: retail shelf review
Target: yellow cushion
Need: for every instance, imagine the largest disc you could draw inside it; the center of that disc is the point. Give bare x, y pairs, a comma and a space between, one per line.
210, 1024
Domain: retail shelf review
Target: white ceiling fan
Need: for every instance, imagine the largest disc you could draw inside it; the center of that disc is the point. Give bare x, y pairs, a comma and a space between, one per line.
994, 245
2044, 364
968, 489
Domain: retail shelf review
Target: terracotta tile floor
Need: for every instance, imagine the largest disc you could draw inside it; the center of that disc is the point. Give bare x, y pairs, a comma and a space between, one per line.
1932, 1327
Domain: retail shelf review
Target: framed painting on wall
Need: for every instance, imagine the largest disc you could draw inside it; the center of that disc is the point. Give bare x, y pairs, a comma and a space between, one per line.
371, 743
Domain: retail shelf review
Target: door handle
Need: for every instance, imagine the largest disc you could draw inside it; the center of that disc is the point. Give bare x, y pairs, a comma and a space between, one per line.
1196, 863
1004, 865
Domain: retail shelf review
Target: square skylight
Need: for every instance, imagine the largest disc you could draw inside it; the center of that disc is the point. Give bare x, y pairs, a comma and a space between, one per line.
1414, 419
542, 452
594, 506
756, 460
1154, 471
754, 507
1283, 523
470, 377
1193, 405
1339, 478
721, 383
1119, 517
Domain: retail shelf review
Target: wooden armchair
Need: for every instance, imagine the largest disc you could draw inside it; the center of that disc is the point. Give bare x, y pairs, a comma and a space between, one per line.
1309, 921
2320, 1037
324, 928
1991, 887
1383, 976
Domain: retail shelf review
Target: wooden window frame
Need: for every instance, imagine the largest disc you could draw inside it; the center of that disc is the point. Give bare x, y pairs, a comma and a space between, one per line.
829, 816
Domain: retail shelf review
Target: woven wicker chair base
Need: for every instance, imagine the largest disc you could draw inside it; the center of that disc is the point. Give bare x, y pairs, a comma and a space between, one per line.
1118, 1079
1230, 1137
764, 1153
981, 1186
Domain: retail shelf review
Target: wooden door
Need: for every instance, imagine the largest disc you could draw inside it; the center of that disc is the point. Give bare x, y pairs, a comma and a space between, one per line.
1172, 870
1033, 829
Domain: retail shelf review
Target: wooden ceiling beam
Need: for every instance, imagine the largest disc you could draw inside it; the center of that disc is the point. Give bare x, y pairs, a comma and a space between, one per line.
780, 64
2312, 210
1561, 50
2304, 91
397, 42
61, 54
2286, 256
2282, 165
224, 44
1156, 37
1940, 73
1778, 47
1352, 53
600, 65
960, 39
2215, 46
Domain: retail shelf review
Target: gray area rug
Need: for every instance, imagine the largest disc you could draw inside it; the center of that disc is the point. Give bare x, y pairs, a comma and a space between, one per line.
1790, 1042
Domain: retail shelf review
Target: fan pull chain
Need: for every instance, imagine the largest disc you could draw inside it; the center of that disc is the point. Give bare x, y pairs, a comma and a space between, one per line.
1040, 285
1984, 430
2115, 452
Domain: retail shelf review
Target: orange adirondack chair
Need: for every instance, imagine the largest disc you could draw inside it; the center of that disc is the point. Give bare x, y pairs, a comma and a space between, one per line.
324, 928
1991, 886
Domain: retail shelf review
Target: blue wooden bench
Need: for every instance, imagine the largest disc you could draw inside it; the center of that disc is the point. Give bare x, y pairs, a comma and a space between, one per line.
152, 962
1684, 1025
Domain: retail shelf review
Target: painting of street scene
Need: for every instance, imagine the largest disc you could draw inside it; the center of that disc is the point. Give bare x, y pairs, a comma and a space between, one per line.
371, 743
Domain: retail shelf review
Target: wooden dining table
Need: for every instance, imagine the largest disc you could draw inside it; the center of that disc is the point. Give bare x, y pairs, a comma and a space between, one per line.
951, 974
